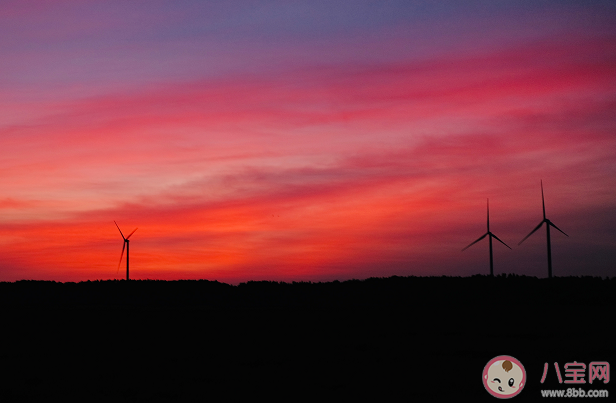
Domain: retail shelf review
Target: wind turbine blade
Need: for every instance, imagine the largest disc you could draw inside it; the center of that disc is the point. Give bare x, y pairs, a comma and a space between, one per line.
557, 228
121, 256
488, 215
119, 230
542, 200
131, 233
484, 235
532, 232
495, 237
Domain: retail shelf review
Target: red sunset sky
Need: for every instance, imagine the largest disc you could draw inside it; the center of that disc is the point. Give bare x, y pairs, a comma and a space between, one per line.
305, 140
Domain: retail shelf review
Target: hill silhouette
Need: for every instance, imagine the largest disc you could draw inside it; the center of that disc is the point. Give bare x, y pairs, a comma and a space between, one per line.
383, 338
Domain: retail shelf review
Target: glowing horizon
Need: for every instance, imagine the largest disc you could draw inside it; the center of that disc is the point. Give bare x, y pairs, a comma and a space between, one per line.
306, 141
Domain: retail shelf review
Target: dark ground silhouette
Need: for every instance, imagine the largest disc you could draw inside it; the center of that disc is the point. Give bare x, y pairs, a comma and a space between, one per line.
390, 339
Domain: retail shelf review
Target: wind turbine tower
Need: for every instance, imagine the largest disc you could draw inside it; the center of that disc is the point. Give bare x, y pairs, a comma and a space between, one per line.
125, 245
490, 235
548, 223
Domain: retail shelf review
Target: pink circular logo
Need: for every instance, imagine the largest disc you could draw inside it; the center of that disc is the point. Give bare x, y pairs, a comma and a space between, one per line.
504, 377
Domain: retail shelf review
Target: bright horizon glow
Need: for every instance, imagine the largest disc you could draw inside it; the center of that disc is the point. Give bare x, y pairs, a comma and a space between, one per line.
307, 141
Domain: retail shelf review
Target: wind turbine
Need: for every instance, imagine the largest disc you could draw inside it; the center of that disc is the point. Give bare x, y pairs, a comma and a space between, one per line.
125, 245
547, 227
491, 235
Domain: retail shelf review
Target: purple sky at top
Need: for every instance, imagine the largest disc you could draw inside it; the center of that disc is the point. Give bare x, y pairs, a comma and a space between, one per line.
117, 43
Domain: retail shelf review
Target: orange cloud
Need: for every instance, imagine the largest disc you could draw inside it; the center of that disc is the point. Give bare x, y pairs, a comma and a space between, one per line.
318, 173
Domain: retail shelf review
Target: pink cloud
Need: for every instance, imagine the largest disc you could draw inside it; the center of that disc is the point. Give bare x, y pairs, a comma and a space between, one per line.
314, 174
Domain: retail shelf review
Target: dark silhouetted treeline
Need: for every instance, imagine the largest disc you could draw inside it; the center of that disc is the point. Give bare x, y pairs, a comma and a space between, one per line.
373, 292
380, 339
